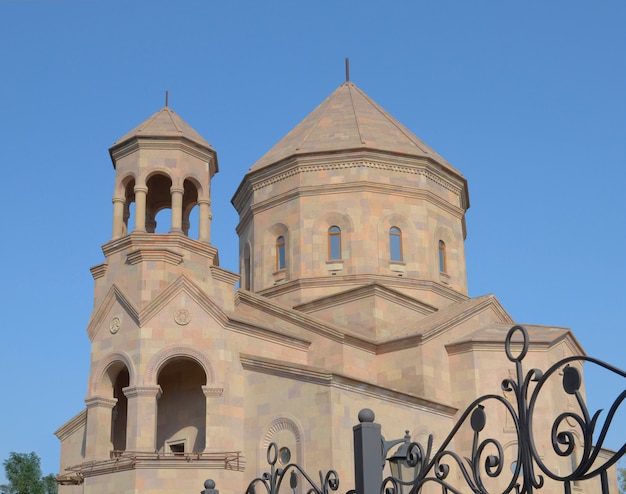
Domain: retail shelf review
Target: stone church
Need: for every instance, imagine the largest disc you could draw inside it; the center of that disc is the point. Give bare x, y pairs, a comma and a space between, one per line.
352, 294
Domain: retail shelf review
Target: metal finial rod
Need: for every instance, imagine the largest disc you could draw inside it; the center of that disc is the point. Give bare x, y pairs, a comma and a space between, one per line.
166, 97
347, 69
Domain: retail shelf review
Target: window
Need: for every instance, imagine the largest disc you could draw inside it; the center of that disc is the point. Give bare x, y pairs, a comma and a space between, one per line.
442, 256
395, 244
247, 269
334, 243
280, 253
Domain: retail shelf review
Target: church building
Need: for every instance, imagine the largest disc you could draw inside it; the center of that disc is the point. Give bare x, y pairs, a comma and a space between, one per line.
352, 293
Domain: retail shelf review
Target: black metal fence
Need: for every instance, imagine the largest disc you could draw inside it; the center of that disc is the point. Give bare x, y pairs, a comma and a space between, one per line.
415, 466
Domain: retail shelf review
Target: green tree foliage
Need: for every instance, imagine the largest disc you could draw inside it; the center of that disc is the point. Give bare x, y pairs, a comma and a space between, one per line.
23, 471
621, 478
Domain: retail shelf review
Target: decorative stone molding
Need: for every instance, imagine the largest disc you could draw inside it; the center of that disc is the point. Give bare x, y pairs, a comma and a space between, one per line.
162, 357
211, 392
182, 316
104, 364
99, 271
281, 424
100, 402
115, 324
136, 391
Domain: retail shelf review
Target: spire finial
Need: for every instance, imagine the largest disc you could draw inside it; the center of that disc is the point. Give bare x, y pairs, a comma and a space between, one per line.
347, 69
166, 98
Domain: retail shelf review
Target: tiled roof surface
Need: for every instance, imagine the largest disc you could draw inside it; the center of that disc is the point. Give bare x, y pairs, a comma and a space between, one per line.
347, 120
165, 123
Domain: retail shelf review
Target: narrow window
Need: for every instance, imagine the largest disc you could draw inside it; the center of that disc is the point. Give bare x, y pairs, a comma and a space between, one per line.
395, 244
247, 269
442, 256
334, 243
280, 253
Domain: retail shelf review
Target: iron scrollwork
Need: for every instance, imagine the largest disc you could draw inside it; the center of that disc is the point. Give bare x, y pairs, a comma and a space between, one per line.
529, 469
272, 480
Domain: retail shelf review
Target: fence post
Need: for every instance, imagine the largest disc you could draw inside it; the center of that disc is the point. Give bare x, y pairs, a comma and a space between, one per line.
368, 454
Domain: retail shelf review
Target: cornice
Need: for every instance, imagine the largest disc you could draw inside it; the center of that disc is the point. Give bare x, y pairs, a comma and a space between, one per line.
171, 242
305, 163
181, 143
72, 425
286, 314
99, 270
363, 279
221, 274
114, 294
362, 186
154, 254
266, 333
329, 379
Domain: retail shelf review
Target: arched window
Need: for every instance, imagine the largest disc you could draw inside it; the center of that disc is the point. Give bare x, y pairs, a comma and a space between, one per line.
280, 253
442, 256
334, 243
395, 244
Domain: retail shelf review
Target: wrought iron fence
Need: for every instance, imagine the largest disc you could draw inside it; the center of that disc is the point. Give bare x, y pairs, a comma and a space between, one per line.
419, 465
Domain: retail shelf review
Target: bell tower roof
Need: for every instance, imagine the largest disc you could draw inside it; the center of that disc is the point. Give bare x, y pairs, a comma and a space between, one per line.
165, 123
349, 120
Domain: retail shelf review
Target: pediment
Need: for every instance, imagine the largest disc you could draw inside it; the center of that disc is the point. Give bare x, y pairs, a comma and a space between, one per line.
141, 315
458, 319
373, 311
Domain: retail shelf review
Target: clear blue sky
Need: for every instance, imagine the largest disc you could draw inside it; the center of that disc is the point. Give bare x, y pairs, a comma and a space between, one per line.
527, 99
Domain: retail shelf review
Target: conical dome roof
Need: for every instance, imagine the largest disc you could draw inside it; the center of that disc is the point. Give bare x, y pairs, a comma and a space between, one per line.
165, 123
349, 120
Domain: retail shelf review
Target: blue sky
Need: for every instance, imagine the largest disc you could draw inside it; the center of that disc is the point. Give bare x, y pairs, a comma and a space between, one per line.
527, 99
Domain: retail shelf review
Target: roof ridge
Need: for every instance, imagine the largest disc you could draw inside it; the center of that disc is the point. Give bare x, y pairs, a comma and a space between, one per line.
354, 110
401, 128
170, 114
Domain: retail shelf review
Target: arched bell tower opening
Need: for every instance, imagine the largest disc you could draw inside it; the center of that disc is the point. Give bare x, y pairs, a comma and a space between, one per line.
119, 415
190, 222
181, 414
158, 199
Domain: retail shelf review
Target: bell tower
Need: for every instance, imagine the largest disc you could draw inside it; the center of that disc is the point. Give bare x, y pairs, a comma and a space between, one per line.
163, 163
160, 306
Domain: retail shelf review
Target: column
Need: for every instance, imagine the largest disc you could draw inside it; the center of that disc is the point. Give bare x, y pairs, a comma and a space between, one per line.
141, 421
118, 217
98, 435
141, 191
212, 431
205, 217
177, 209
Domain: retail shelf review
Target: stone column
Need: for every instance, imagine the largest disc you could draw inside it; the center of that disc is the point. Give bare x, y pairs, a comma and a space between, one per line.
118, 217
141, 192
141, 421
205, 217
98, 435
177, 209
211, 430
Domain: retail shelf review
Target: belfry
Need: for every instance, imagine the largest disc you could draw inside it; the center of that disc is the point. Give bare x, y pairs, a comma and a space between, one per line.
352, 293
